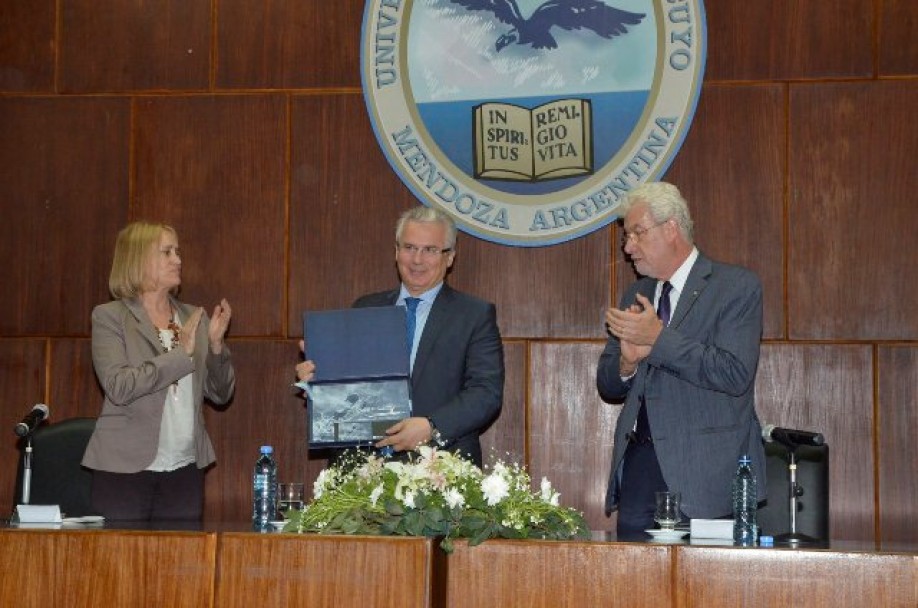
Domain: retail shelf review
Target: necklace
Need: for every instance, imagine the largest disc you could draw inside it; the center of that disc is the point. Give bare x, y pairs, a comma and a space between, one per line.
174, 328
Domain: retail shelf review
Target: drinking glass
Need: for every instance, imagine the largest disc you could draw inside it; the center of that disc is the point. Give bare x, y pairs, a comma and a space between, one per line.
290, 496
667, 512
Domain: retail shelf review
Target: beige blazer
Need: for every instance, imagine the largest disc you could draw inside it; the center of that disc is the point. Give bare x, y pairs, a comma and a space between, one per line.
135, 375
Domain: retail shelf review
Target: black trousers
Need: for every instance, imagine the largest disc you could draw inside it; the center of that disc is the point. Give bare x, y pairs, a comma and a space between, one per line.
149, 495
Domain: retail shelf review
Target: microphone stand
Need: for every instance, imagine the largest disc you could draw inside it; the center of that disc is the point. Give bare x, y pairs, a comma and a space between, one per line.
27, 470
793, 537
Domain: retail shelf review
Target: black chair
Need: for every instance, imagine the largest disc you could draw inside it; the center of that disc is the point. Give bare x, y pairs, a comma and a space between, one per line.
812, 477
57, 476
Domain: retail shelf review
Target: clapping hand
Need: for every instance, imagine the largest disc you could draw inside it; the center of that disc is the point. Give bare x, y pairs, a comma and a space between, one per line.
189, 329
219, 323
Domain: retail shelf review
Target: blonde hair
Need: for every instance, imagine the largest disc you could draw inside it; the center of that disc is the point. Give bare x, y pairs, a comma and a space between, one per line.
133, 248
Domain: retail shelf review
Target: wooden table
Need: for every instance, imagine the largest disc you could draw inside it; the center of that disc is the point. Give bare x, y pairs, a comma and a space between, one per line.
226, 566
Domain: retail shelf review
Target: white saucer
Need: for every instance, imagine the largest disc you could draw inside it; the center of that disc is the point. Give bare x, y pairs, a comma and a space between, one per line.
667, 535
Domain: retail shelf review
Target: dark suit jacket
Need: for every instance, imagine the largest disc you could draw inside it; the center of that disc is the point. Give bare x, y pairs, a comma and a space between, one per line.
458, 376
698, 384
135, 374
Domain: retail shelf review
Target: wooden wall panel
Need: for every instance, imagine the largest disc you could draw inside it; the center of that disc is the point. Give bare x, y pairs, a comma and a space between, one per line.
799, 166
506, 438
73, 390
731, 172
344, 202
571, 429
851, 211
112, 45
27, 45
897, 49
549, 292
214, 167
63, 187
828, 389
897, 443
288, 44
787, 39
266, 410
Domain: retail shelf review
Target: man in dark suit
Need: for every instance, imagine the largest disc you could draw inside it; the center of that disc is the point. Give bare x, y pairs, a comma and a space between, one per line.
682, 354
457, 364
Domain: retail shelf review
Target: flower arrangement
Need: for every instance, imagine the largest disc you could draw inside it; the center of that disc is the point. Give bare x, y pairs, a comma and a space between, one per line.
437, 494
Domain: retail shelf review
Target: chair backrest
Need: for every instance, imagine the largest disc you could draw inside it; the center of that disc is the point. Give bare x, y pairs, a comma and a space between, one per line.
812, 476
57, 476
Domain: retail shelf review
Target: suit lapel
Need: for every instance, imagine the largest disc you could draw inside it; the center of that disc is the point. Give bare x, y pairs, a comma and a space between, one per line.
439, 312
695, 284
144, 324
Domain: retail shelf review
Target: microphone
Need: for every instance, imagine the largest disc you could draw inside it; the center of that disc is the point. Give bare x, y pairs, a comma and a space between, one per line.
791, 437
31, 420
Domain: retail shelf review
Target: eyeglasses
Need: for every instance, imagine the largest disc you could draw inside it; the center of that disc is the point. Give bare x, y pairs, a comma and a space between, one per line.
638, 233
428, 251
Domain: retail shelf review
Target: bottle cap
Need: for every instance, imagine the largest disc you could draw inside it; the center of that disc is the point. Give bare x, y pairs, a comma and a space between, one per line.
267, 449
766, 541
744, 459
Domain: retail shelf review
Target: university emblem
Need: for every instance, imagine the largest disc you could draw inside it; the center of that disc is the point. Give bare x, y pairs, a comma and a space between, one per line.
528, 120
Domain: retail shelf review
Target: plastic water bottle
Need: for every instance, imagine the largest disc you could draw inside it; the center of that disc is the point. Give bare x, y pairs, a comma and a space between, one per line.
744, 504
264, 487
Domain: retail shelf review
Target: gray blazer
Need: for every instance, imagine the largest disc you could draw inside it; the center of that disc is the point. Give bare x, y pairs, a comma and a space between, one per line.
698, 384
135, 374
458, 377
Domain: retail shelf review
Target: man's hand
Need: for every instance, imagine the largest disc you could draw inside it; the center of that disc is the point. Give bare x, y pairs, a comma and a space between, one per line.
407, 434
305, 370
637, 329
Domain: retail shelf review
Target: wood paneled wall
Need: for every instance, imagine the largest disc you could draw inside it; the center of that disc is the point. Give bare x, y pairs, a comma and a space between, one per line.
242, 124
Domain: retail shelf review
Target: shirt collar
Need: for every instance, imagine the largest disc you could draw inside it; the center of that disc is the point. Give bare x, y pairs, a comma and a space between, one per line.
680, 277
427, 297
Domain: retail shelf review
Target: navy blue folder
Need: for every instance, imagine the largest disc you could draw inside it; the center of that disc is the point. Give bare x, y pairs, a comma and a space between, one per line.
361, 383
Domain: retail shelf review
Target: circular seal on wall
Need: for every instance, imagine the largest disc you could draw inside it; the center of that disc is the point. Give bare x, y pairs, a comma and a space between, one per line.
528, 120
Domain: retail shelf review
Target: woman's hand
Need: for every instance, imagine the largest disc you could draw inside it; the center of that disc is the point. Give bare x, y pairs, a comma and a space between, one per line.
219, 322
189, 329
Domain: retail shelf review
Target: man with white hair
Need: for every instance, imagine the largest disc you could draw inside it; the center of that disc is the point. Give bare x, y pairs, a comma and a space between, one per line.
682, 355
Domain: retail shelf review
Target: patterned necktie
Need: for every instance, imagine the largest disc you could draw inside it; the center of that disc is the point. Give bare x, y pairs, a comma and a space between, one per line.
663, 307
411, 305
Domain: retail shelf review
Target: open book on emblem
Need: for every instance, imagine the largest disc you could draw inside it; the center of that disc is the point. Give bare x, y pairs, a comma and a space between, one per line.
550, 141
361, 383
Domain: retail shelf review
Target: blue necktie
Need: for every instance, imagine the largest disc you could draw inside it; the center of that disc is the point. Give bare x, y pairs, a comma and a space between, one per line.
411, 305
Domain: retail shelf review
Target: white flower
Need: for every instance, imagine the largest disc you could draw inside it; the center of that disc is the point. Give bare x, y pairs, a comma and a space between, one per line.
409, 499
548, 494
375, 494
318, 488
454, 498
495, 488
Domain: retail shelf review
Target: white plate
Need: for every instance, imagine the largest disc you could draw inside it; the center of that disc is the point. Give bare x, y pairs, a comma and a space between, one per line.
667, 535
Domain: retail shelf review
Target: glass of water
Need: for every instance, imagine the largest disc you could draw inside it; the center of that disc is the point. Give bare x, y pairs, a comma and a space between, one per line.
290, 496
667, 513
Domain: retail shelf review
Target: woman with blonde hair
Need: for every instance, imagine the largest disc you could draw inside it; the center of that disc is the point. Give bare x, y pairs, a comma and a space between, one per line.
156, 359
